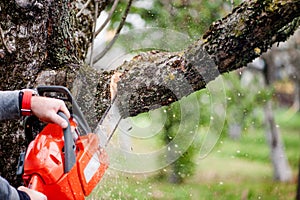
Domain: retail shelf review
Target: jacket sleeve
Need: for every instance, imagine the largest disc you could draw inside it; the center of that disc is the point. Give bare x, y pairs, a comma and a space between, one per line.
7, 192
9, 105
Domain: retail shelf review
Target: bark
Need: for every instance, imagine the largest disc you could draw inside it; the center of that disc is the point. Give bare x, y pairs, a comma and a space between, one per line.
42, 42
27, 30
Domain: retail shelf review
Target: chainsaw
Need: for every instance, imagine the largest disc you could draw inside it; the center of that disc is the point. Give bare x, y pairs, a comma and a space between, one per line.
65, 164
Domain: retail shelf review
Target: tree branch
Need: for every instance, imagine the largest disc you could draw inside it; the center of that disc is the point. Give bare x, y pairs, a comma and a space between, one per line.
157, 78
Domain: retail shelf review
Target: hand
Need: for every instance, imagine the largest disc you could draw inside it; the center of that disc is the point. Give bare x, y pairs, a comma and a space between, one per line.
34, 195
46, 110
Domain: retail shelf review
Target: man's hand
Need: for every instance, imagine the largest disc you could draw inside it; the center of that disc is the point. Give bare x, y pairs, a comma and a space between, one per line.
46, 110
34, 195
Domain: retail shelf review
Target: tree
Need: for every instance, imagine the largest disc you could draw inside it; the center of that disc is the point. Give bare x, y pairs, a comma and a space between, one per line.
282, 170
44, 42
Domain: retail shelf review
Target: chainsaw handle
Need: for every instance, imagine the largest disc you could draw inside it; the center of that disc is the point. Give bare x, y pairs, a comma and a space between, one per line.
42, 89
69, 146
75, 108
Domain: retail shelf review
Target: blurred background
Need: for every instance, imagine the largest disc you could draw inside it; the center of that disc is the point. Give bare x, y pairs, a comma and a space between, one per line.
250, 116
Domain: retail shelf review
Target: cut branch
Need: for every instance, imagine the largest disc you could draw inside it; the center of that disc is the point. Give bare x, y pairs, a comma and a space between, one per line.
156, 79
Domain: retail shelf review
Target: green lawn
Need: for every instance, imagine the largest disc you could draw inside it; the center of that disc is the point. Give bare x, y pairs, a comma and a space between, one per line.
234, 170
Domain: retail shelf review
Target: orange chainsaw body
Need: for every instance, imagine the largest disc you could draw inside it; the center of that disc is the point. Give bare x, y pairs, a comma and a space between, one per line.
44, 164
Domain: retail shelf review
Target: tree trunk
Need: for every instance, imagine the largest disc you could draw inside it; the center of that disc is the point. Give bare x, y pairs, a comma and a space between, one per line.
42, 42
282, 170
38, 45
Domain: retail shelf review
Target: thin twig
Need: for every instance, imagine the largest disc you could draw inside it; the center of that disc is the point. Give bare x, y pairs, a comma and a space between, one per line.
94, 35
111, 43
113, 8
84, 7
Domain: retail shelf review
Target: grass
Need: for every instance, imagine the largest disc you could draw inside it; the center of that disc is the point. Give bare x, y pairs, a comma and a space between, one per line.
233, 170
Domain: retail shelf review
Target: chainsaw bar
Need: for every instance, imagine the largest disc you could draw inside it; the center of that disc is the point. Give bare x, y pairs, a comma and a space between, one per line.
108, 123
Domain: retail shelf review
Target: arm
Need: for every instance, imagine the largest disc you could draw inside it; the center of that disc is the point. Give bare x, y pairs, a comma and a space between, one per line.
9, 105
44, 108
7, 191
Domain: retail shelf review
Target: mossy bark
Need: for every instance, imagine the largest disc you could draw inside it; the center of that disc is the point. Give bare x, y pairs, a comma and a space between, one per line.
42, 42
